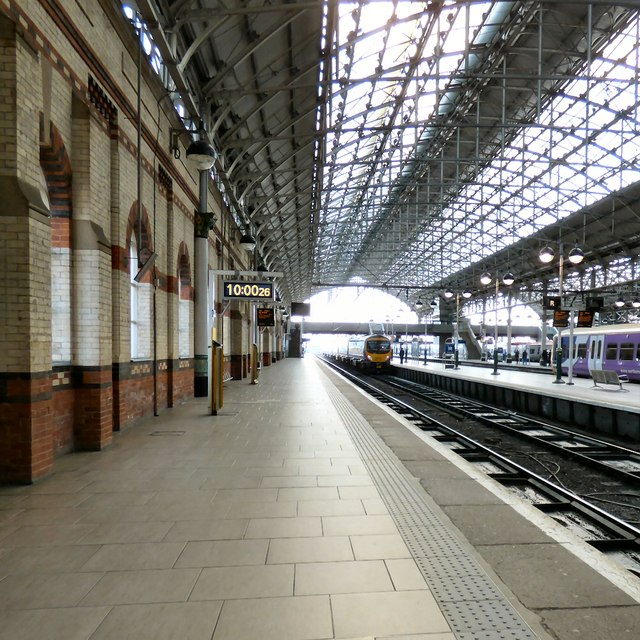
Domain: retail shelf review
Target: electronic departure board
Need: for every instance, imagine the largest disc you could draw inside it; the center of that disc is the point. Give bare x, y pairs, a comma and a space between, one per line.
236, 290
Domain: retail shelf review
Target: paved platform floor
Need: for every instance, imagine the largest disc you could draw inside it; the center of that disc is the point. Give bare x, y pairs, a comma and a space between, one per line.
284, 517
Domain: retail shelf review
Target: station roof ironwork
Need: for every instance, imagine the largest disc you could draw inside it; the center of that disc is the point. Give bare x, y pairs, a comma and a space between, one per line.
415, 145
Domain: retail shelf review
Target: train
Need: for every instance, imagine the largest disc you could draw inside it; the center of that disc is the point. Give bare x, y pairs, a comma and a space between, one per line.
609, 347
372, 352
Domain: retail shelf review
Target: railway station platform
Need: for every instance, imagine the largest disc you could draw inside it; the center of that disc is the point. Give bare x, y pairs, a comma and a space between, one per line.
304, 510
611, 410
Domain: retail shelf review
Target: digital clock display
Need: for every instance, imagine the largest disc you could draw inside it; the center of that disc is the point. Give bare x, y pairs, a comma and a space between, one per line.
234, 290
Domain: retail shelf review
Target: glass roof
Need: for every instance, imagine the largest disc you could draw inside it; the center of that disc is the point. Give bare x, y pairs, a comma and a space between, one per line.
408, 144
411, 89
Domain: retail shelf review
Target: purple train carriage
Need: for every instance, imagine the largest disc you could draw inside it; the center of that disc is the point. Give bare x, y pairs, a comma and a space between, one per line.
609, 347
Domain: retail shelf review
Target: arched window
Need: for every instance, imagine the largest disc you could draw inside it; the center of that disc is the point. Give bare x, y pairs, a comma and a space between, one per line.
55, 188
133, 270
185, 343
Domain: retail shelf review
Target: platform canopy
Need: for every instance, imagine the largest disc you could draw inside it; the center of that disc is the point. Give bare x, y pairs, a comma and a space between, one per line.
417, 145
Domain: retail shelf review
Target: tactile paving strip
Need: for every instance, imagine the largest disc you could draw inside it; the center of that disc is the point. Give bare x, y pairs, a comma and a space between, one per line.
472, 604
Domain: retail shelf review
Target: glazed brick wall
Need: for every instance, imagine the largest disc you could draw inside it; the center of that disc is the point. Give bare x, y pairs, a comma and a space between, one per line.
61, 305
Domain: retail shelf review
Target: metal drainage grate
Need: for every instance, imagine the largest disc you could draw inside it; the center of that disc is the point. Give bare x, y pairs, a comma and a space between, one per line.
472, 604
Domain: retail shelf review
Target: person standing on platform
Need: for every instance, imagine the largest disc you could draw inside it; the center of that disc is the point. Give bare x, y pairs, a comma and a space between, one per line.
401, 355
516, 355
525, 356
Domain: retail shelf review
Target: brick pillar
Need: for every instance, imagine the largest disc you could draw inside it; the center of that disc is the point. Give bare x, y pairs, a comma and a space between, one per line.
235, 335
93, 420
26, 445
266, 339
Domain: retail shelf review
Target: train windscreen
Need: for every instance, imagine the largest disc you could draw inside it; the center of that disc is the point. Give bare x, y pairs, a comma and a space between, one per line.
378, 346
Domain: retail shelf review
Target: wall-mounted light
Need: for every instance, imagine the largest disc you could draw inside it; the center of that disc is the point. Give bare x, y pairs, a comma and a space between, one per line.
174, 142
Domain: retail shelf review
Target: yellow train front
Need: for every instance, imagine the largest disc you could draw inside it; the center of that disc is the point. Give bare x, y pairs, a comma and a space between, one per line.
371, 352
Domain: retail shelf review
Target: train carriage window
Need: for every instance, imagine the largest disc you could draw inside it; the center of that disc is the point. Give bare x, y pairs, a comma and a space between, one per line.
599, 349
582, 350
592, 349
612, 352
626, 351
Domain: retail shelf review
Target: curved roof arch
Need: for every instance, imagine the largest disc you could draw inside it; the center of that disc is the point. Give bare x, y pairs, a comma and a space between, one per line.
416, 144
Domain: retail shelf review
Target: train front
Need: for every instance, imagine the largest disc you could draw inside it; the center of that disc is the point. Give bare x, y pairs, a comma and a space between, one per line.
377, 351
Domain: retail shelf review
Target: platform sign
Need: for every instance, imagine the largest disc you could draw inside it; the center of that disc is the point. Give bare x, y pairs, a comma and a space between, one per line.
238, 290
266, 317
560, 318
585, 318
552, 302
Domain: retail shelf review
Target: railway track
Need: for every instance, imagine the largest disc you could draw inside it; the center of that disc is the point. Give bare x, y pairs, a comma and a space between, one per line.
561, 473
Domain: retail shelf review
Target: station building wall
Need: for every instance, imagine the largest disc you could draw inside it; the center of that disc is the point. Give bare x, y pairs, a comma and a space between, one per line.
84, 351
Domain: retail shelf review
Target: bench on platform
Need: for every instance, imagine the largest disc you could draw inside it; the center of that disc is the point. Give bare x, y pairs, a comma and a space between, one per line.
607, 377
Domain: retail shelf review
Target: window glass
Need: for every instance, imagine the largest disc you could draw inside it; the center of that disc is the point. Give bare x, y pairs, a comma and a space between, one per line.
626, 351
582, 350
612, 351
378, 346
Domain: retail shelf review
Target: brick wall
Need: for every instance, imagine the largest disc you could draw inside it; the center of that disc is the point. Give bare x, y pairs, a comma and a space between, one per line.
67, 379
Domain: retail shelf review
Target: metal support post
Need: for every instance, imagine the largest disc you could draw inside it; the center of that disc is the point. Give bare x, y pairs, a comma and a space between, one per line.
495, 371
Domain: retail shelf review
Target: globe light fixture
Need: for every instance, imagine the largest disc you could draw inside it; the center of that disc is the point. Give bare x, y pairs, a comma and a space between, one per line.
448, 293
434, 303
485, 278
247, 242
508, 278
201, 154
467, 293
636, 303
418, 305
576, 255
619, 302
546, 255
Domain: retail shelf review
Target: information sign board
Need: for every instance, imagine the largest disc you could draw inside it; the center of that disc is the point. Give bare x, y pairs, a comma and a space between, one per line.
560, 318
266, 317
585, 318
